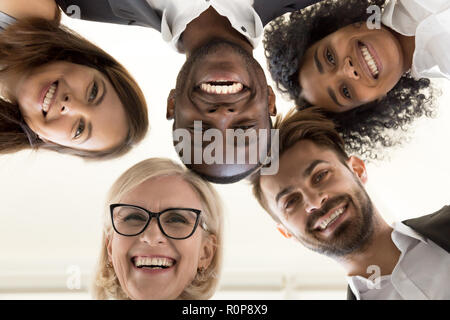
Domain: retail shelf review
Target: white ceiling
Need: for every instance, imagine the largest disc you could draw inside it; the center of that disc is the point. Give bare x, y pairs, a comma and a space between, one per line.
51, 205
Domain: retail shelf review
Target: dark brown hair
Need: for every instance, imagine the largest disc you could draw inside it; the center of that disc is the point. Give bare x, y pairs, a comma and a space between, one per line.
31, 43
309, 124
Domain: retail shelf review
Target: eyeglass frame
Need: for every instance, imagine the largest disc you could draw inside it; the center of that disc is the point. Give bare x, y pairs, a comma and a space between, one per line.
156, 215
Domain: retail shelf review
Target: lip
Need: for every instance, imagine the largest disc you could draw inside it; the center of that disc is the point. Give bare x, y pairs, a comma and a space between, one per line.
363, 63
330, 228
153, 271
44, 93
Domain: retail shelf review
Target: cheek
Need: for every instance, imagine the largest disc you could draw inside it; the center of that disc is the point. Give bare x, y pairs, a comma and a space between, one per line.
190, 253
119, 255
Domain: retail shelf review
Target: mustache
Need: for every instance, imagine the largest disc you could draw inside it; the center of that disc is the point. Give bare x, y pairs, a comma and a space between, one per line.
326, 207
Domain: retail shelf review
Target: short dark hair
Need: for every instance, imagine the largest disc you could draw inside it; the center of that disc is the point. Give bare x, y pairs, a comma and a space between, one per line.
310, 124
365, 129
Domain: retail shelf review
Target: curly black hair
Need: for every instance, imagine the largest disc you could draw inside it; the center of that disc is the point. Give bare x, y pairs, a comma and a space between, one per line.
367, 130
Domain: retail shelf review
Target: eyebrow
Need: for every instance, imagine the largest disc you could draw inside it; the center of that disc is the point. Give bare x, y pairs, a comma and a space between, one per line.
316, 60
99, 101
333, 97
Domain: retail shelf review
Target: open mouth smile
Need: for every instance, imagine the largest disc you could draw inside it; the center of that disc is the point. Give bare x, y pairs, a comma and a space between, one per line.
370, 61
221, 87
330, 218
49, 98
153, 263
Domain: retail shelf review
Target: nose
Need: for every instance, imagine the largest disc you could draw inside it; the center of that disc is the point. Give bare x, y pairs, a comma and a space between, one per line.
222, 109
152, 235
222, 115
314, 200
350, 70
70, 104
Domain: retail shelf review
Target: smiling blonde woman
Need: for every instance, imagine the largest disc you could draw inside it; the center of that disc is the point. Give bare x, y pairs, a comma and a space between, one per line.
162, 236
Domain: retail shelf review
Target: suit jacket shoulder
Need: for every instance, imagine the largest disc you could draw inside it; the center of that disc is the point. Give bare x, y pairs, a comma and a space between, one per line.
269, 10
129, 12
435, 226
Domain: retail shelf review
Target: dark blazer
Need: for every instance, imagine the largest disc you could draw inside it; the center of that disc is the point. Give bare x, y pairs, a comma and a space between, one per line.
435, 226
139, 12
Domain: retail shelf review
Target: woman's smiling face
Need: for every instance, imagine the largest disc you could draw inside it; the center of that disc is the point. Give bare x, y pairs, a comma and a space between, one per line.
72, 105
184, 256
350, 67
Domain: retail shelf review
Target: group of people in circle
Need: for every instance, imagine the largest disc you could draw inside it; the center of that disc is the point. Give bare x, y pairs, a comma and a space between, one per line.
355, 70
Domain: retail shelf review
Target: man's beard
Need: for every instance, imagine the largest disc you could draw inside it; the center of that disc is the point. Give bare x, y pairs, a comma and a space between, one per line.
351, 235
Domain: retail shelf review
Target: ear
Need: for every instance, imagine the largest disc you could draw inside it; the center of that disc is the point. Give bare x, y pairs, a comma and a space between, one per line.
272, 102
171, 105
108, 244
358, 167
208, 251
282, 229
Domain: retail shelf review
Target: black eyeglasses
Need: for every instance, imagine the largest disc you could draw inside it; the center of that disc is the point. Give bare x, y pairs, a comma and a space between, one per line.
175, 223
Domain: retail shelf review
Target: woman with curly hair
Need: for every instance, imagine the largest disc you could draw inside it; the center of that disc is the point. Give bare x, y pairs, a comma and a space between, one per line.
60, 92
369, 80
162, 235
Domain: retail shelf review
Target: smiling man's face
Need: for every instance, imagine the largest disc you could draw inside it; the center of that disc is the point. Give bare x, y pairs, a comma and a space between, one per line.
320, 200
223, 86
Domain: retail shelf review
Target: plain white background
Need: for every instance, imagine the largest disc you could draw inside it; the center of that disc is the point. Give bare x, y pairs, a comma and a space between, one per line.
51, 205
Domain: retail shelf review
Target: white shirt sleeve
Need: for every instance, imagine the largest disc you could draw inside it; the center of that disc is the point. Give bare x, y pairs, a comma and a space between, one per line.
429, 22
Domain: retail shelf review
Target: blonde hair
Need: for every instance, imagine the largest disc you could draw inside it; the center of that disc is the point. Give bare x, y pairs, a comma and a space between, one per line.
106, 284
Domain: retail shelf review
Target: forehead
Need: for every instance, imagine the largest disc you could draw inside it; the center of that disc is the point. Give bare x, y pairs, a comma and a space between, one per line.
294, 162
159, 193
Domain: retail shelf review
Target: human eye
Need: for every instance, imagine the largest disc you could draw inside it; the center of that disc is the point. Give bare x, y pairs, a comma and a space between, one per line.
320, 176
346, 93
94, 92
330, 57
134, 216
291, 202
174, 217
80, 129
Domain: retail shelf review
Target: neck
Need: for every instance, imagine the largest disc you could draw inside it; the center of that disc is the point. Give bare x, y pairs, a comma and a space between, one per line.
208, 26
408, 45
380, 251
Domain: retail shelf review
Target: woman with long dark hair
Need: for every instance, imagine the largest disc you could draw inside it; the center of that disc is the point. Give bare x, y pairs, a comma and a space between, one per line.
60, 91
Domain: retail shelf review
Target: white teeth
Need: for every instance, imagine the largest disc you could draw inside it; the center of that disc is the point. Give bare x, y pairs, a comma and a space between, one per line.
324, 224
157, 263
222, 89
369, 60
48, 97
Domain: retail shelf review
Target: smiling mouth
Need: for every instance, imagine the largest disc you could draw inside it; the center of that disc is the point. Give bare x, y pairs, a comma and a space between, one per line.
325, 223
370, 61
221, 87
49, 98
153, 263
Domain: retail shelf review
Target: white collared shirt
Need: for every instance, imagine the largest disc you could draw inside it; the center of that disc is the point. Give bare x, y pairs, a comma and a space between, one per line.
177, 14
429, 22
422, 271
